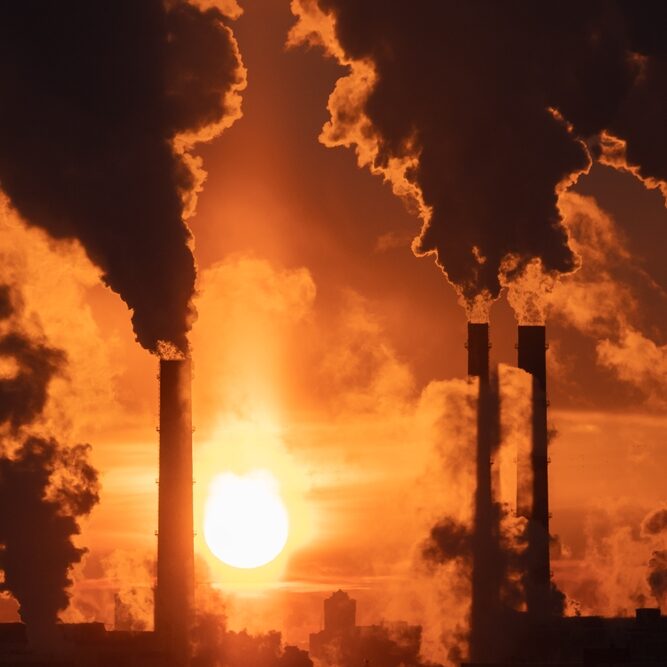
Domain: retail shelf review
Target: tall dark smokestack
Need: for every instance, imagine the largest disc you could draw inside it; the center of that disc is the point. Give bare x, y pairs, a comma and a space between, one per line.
485, 546
532, 358
174, 595
478, 350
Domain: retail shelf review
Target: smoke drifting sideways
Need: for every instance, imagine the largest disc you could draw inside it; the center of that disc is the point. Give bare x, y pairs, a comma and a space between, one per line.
655, 523
23, 390
482, 113
448, 540
640, 122
44, 486
102, 103
479, 545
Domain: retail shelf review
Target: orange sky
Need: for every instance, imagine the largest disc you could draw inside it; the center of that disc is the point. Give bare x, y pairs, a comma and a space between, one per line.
327, 353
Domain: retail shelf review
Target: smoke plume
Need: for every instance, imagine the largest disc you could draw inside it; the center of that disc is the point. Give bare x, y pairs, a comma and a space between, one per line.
449, 540
44, 486
482, 113
29, 367
623, 563
102, 102
614, 300
133, 575
640, 123
657, 577
655, 522
37, 533
446, 555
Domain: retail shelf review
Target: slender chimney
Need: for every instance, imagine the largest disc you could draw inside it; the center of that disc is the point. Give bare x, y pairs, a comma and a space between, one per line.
485, 550
532, 358
174, 594
478, 350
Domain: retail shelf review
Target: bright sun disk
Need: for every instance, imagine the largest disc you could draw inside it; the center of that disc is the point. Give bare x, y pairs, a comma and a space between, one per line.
245, 520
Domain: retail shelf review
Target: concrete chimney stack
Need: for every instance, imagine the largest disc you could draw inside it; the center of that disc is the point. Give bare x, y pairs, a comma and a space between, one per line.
486, 559
532, 358
174, 594
478, 350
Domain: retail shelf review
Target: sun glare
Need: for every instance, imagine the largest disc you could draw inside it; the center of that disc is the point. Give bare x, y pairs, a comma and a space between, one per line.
245, 521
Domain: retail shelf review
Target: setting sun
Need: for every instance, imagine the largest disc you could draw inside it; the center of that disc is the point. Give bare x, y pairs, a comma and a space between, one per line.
245, 523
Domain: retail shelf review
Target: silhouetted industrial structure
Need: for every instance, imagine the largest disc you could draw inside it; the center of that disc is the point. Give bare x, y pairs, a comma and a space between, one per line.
499, 635
91, 645
478, 346
582, 640
535, 508
486, 560
538, 634
169, 645
342, 643
499, 632
81, 645
174, 593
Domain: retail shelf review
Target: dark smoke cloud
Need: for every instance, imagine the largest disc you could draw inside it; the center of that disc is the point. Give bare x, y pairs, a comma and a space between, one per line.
497, 100
641, 120
93, 96
44, 487
657, 577
449, 540
6, 306
655, 522
36, 533
23, 395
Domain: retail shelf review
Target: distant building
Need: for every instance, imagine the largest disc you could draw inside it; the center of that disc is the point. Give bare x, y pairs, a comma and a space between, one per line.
342, 643
340, 613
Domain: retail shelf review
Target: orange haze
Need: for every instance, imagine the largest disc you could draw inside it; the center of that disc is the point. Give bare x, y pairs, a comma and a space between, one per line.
328, 354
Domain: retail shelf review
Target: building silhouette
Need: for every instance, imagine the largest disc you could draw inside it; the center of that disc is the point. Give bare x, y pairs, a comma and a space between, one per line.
343, 643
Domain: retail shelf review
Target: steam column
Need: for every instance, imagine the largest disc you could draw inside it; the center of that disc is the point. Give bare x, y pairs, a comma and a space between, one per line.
174, 594
485, 556
532, 358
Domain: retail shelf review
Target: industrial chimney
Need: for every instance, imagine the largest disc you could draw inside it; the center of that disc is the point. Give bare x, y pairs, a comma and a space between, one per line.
532, 358
486, 570
174, 594
478, 350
